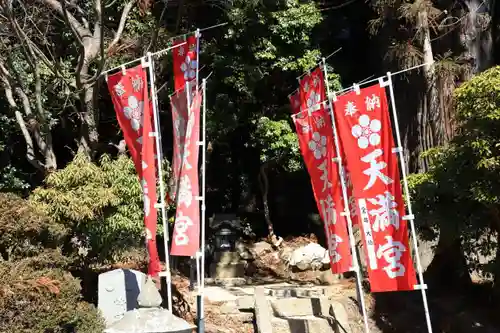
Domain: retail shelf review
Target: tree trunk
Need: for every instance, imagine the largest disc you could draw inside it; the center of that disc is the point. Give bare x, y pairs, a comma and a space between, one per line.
264, 188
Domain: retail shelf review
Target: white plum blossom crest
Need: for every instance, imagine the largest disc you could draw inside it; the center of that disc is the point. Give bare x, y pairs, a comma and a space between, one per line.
313, 101
188, 67
134, 112
318, 145
366, 131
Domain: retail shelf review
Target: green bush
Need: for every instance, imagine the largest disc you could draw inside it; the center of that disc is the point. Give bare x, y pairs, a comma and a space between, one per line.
101, 203
25, 231
41, 300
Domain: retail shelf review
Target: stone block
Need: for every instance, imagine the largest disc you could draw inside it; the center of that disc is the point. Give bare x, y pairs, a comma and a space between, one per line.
227, 271
117, 293
263, 317
227, 257
303, 324
291, 307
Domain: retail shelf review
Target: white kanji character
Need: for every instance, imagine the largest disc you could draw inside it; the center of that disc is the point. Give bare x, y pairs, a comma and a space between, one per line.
374, 170
387, 214
324, 175
328, 210
306, 86
320, 122
306, 128
185, 191
392, 251
181, 226
315, 80
181, 51
120, 89
185, 155
145, 192
137, 83
372, 102
333, 243
350, 109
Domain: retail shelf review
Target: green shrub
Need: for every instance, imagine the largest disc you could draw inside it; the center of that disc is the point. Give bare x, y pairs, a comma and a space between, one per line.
41, 300
101, 203
25, 231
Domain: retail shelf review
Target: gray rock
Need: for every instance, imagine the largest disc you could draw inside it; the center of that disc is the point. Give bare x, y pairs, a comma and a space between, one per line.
117, 293
150, 320
312, 256
149, 296
261, 248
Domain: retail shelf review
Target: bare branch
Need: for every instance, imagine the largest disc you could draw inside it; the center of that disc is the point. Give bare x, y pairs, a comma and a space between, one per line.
126, 10
30, 148
78, 29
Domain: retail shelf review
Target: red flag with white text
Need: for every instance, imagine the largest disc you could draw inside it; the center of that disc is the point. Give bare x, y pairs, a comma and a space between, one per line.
185, 61
186, 236
317, 147
364, 125
312, 90
129, 94
178, 103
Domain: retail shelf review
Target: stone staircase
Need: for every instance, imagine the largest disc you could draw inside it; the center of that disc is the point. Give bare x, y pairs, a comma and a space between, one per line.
298, 310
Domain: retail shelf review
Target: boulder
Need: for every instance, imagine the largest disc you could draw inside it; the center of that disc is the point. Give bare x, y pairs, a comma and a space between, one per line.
312, 256
261, 248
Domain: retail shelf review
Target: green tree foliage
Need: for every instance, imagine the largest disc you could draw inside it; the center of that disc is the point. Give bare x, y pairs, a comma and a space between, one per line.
101, 203
460, 195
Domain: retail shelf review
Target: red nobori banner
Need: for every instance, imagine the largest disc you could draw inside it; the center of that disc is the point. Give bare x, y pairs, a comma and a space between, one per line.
295, 102
316, 144
178, 103
312, 90
186, 236
129, 93
185, 62
365, 128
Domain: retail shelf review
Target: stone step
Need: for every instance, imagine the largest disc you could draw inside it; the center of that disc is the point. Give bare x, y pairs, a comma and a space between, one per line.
289, 307
302, 324
285, 292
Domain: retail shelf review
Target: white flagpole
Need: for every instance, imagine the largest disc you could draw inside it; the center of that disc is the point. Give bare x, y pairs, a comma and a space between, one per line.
410, 217
159, 159
347, 212
197, 34
201, 287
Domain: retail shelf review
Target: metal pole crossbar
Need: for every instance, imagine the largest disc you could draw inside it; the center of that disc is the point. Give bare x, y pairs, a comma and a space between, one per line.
162, 204
347, 212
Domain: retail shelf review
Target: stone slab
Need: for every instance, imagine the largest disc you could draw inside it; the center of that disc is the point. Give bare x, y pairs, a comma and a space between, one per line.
263, 316
218, 294
291, 307
117, 293
303, 324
